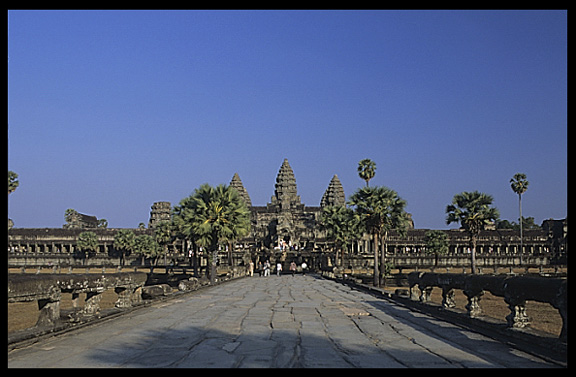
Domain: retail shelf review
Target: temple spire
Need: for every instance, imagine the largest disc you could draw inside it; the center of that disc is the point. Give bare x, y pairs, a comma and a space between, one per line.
334, 194
237, 184
285, 193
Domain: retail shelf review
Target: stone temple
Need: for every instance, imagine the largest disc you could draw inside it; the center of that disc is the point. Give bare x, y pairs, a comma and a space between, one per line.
286, 221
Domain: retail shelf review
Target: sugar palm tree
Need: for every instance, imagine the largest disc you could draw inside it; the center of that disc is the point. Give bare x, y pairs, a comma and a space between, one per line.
341, 226
379, 210
519, 185
211, 217
473, 211
12, 186
12, 181
87, 243
163, 236
366, 169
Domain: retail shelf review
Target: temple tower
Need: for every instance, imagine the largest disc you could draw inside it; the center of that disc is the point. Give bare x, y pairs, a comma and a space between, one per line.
334, 194
160, 212
285, 193
237, 184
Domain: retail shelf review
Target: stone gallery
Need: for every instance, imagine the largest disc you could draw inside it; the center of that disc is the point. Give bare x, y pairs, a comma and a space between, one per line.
288, 225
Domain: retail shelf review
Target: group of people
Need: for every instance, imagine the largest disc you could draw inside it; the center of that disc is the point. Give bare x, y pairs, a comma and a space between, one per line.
264, 268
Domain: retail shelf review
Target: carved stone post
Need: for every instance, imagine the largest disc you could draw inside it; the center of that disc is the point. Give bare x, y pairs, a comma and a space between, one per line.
75, 296
128, 296
124, 300
92, 303
561, 303
49, 308
426, 291
413, 280
517, 317
448, 297
413, 294
473, 306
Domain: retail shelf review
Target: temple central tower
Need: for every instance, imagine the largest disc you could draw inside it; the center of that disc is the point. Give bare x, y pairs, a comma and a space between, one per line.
285, 192
286, 223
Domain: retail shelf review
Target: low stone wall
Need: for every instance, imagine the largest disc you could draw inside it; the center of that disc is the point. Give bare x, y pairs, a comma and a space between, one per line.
47, 290
515, 290
132, 288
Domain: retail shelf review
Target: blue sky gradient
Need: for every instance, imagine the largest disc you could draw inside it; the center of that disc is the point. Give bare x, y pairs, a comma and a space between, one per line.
111, 111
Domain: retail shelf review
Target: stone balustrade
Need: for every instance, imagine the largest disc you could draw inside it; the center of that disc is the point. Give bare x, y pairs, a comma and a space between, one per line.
515, 290
47, 290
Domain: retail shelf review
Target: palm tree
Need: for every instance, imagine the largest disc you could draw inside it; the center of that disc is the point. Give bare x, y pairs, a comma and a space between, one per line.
366, 169
182, 223
87, 242
163, 236
380, 210
473, 211
341, 225
69, 215
519, 185
12, 181
213, 216
124, 241
12, 185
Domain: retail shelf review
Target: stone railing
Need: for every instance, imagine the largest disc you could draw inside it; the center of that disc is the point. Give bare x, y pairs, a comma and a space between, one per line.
515, 290
47, 290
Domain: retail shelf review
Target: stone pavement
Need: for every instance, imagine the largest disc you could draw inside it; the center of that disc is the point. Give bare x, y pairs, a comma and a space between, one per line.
300, 321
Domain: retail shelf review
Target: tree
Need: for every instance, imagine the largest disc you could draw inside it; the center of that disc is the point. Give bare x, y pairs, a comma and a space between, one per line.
519, 185
366, 169
527, 223
70, 214
87, 243
182, 223
103, 223
163, 236
146, 246
379, 210
473, 211
12, 182
341, 226
12, 185
124, 240
212, 217
436, 243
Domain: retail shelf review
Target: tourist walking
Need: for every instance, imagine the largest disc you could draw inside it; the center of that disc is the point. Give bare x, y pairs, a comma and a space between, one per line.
293, 267
278, 268
251, 268
304, 267
266, 268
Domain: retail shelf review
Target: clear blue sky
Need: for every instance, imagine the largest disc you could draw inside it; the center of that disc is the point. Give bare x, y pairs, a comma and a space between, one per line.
111, 111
